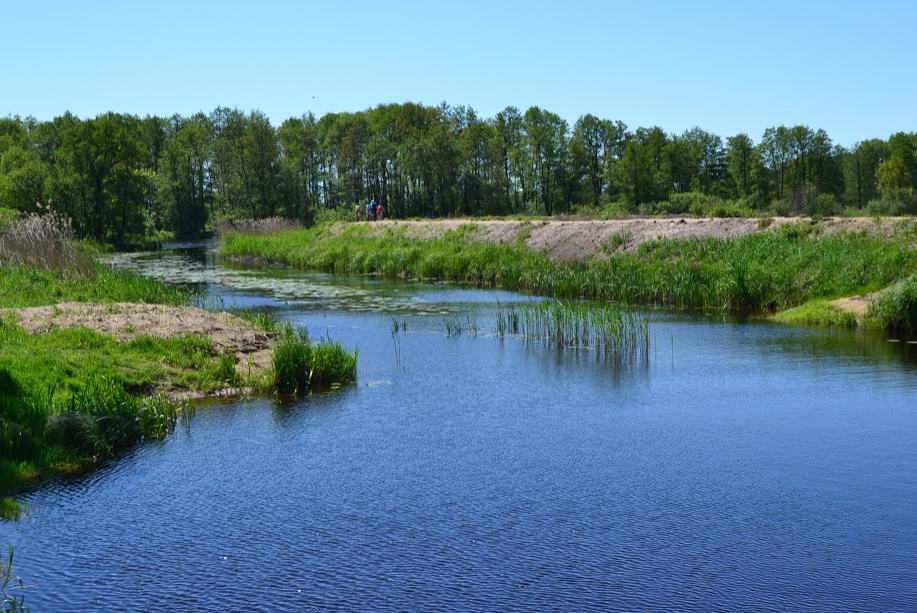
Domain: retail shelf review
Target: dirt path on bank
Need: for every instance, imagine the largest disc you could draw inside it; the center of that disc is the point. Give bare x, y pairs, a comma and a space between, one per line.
568, 240
252, 347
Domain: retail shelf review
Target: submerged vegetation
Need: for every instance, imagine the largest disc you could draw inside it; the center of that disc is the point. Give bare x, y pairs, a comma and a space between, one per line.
610, 331
757, 273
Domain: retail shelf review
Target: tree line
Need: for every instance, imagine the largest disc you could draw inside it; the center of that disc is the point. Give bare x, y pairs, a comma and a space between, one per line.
119, 175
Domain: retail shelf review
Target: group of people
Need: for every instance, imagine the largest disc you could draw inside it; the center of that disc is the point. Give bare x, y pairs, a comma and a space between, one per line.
374, 212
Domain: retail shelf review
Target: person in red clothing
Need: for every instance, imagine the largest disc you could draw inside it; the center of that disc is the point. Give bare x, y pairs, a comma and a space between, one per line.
380, 212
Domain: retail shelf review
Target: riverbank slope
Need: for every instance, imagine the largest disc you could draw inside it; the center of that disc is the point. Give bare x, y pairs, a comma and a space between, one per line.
759, 266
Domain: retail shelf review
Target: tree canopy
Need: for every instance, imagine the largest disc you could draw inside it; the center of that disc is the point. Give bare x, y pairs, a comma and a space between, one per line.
119, 175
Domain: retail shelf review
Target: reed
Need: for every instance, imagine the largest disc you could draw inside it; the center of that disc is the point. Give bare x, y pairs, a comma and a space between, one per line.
896, 308
12, 588
757, 273
45, 241
610, 331
300, 365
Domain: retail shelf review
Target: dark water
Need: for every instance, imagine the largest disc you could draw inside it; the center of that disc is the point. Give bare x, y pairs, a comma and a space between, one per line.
746, 466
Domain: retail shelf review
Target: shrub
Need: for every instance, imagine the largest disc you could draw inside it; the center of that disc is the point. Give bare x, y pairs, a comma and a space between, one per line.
340, 213
822, 205
892, 206
267, 225
896, 308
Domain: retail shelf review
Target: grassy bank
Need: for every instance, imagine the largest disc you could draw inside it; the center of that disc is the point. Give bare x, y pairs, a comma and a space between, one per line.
71, 397
759, 273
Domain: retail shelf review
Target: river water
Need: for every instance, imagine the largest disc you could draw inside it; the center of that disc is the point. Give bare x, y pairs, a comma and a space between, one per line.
742, 466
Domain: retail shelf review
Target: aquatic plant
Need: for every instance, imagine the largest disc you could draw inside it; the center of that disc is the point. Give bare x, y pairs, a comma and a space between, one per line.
300, 364
761, 272
102, 418
610, 331
457, 325
44, 240
12, 588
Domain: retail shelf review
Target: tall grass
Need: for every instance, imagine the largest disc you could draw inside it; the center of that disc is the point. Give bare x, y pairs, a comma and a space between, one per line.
760, 272
44, 241
12, 588
102, 419
896, 308
266, 225
610, 331
300, 365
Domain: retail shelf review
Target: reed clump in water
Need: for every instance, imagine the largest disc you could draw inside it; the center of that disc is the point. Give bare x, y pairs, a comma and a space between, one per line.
300, 365
610, 331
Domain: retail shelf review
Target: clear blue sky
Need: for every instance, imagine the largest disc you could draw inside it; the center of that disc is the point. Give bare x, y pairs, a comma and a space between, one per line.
848, 67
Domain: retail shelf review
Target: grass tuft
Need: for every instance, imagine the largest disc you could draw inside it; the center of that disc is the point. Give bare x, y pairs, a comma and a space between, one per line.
818, 313
896, 308
300, 364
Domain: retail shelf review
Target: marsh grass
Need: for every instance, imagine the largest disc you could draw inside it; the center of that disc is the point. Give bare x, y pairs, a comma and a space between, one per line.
818, 313
896, 308
610, 331
44, 241
12, 588
456, 325
757, 273
301, 365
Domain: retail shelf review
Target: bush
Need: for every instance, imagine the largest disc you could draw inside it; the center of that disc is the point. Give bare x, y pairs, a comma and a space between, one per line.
823, 205
890, 206
896, 308
340, 213
7, 217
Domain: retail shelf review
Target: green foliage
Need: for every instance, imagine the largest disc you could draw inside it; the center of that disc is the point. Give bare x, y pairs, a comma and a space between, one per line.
300, 364
896, 308
7, 216
823, 205
818, 313
121, 177
760, 272
611, 331
344, 212
21, 287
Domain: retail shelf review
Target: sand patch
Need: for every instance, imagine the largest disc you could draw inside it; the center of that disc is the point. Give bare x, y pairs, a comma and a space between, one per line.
576, 239
858, 305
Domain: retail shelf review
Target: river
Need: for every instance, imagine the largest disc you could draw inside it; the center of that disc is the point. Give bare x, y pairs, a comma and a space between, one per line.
743, 465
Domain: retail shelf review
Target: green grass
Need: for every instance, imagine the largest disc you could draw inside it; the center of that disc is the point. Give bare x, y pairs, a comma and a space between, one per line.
762, 272
7, 216
818, 313
72, 397
896, 308
300, 365
22, 287
612, 332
